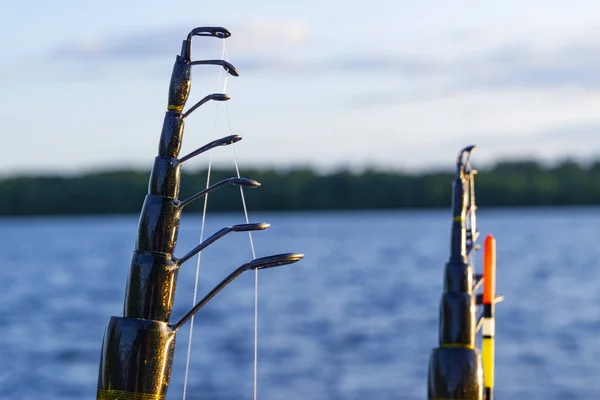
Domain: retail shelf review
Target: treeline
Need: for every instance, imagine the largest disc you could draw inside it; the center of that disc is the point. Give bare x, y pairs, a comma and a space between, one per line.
521, 183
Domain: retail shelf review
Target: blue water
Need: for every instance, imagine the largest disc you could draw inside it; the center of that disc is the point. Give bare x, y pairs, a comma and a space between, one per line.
356, 319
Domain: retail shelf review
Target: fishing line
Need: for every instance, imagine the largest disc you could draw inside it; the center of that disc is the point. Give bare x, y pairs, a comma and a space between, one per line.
237, 169
209, 170
255, 372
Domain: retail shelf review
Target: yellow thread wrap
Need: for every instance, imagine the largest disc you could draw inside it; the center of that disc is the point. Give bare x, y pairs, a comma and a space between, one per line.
444, 398
174, 108
121, 395
458, 218
458, 345
487, 355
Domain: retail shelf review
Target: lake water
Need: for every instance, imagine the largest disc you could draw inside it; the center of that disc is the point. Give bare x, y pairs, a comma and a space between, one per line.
355, 319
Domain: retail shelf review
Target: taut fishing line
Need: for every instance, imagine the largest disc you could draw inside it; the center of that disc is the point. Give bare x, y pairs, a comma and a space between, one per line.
245, 209
255, 374
209, 170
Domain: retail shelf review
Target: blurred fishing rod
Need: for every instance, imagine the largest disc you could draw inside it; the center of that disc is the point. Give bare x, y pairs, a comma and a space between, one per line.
457, 369
138, 348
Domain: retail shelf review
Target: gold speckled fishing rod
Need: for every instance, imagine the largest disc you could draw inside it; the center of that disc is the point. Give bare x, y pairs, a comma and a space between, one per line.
455, 367
138, 348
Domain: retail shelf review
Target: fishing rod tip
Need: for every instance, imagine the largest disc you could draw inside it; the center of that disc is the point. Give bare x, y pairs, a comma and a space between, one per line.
297, 256
465, 151
260, 226
251, 183
227, 66
233, 139
214, 31
222, 33
275, 261
220, 97
463, 157
468, 149
232, 70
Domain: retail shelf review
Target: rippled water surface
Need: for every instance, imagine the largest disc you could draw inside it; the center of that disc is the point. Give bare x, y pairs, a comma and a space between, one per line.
356, 319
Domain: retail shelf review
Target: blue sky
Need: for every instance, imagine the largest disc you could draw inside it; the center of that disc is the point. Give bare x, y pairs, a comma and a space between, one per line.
395, 84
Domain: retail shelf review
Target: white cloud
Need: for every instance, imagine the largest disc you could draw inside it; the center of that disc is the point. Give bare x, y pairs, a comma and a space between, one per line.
271, 36
250, 37
385, 81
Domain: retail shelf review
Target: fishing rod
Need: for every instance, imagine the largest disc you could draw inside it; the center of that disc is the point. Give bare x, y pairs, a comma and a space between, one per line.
138, 348
457, 369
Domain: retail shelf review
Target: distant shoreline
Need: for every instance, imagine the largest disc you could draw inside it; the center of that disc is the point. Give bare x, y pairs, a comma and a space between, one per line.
121, 192
487, 210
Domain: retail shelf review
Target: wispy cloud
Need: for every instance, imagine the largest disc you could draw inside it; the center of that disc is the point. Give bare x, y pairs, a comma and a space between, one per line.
252, 37
566, 137
136, 45
491, 63
508, 66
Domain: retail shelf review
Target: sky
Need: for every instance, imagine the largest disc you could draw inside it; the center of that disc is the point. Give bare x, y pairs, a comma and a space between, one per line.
329, 84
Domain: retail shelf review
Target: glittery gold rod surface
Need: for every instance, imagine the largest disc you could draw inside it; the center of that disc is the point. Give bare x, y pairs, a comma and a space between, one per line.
121, 395
138, 348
